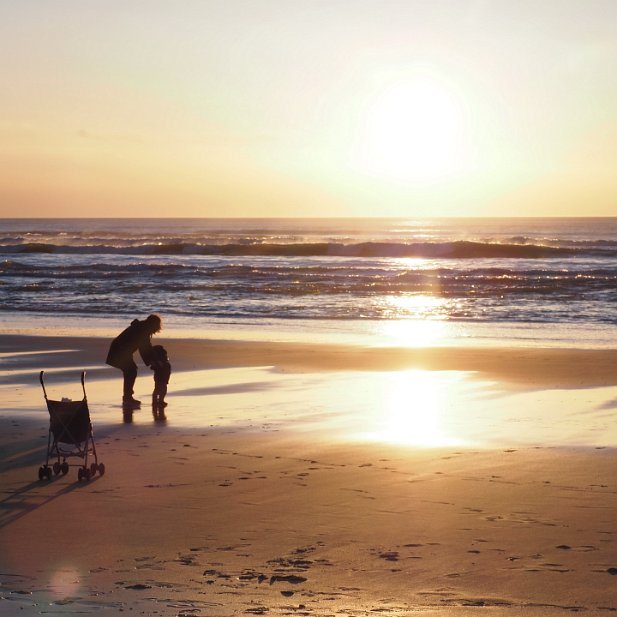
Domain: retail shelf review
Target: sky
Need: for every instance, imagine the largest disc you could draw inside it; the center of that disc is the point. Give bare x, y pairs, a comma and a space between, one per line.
308, 108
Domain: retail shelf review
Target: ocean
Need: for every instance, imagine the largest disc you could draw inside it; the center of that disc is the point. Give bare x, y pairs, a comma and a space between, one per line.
407, 281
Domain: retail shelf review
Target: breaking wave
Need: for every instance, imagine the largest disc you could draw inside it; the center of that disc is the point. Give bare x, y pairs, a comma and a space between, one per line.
461, 249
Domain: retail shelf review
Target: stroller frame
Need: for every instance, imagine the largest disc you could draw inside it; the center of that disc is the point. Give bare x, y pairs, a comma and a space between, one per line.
70, 436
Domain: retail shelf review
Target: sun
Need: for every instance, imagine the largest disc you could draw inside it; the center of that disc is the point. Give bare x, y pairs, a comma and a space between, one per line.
413, 131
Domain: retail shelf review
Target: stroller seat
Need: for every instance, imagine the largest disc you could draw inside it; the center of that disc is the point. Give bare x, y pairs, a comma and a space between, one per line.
70, 436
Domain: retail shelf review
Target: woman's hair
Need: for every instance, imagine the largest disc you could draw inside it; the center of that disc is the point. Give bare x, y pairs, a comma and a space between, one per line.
154, 321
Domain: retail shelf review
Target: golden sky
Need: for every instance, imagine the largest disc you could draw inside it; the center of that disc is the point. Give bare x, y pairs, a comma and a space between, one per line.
308, 108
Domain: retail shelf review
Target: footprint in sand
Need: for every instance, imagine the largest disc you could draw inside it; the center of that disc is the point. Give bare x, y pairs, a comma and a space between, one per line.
290, 578
138, 586
251, 575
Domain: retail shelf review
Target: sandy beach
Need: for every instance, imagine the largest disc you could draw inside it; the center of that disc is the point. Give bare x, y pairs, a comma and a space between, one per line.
258, 495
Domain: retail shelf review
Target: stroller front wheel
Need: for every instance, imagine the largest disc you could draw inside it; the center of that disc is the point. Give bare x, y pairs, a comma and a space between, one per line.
45, 473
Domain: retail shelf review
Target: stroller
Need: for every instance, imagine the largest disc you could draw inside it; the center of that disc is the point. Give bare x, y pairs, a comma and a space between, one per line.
70, 435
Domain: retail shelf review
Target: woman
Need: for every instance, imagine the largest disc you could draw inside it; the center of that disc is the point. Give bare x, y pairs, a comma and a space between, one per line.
136, 337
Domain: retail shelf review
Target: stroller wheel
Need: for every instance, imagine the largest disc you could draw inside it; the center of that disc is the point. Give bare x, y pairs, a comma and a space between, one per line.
64, 468
56, 468
101, 469
80, 474
48, 472
93, 469
86, 474
42, 473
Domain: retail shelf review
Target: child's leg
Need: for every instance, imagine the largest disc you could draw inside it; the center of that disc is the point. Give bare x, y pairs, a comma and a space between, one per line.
155, 393
158, 395
162, 392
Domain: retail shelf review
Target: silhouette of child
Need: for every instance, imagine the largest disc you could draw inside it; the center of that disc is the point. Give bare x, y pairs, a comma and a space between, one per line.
162, 370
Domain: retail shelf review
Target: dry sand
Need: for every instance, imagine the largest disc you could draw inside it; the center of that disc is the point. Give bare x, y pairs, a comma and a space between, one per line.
250, 515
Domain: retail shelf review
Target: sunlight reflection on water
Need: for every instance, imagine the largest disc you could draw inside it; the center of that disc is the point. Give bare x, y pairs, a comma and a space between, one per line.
411, 333
413, 410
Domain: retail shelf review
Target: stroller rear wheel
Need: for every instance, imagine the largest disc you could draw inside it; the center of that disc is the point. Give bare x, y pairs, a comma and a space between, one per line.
64, 468
56, 468
45, 473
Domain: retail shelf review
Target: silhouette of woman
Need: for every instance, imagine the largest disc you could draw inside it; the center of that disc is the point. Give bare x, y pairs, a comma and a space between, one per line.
136, 337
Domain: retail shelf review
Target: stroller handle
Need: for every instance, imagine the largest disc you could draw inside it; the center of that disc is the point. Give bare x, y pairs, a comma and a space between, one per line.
42, 384
83, 383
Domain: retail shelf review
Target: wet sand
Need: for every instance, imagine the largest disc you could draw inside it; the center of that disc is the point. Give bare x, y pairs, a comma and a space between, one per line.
257, 510
526, 366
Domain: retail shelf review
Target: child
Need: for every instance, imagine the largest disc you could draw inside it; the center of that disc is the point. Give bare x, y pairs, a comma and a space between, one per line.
162, 370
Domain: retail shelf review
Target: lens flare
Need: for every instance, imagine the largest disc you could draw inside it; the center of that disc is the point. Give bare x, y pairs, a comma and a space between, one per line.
64, 582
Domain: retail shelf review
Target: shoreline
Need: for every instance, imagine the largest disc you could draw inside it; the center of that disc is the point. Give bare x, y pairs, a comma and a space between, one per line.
540, 367
368, 332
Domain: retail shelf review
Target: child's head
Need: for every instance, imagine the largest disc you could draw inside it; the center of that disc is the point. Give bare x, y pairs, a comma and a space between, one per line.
159, 352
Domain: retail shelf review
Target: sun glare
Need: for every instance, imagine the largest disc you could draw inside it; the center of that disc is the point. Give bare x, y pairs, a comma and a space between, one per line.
416, 306
413, 411
413, 131
415, 320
